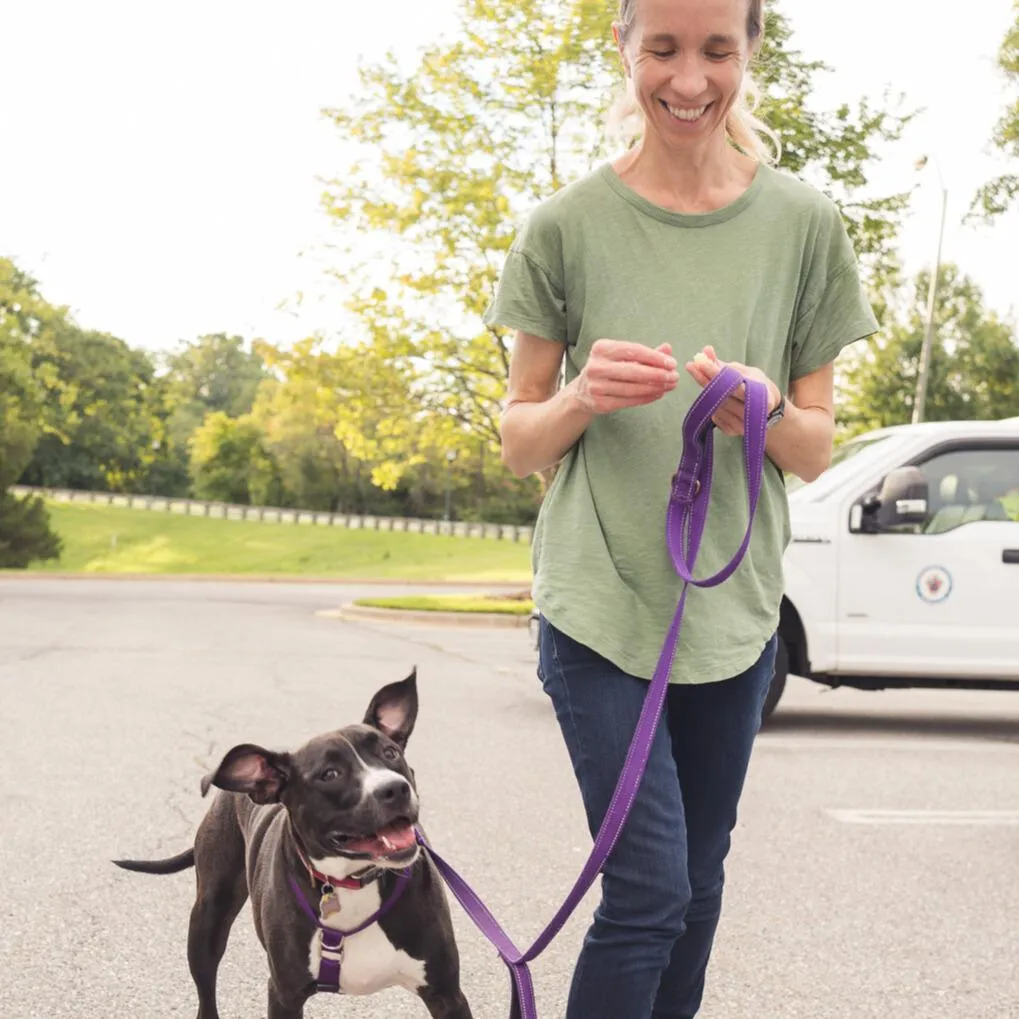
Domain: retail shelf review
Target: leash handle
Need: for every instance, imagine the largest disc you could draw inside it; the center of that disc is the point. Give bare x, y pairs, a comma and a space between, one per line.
685, 523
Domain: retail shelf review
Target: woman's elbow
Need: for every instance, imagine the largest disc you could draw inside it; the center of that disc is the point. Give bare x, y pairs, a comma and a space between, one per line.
514, 457
813, 468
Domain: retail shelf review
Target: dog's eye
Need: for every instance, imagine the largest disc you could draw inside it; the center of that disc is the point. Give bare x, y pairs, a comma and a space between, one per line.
390, 753
329, 775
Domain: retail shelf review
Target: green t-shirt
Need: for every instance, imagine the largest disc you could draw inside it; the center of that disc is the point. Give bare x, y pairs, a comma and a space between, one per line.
771, 281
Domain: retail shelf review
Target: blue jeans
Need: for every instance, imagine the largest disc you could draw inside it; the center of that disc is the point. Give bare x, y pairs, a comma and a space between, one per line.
646, 952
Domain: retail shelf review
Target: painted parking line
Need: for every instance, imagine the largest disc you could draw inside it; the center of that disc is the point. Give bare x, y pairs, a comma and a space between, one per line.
911, 743
1003, 818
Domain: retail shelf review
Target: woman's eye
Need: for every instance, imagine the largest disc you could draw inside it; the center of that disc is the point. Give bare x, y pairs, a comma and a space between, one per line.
662, 54
717, 56
390, 753
329, 775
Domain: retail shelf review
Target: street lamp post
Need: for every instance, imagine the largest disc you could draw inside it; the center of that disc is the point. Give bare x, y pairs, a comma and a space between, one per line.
450, 457
923, 375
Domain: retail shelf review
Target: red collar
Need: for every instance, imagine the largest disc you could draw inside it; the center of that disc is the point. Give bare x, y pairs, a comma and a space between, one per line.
358, 881
365, 877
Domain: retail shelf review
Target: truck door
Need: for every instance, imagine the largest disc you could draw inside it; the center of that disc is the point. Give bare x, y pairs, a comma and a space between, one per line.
939, 598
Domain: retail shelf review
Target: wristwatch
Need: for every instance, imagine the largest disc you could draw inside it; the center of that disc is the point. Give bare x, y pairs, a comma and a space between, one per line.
778, 413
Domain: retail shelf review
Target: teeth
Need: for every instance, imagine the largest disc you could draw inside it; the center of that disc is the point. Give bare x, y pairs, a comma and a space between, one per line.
384, 839
686, 114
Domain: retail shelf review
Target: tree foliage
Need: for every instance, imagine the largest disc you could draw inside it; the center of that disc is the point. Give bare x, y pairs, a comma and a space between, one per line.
974, 362
999, 194
26, 322
102, 431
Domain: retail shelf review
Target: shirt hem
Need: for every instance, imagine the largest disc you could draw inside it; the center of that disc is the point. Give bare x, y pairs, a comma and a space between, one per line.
699, 673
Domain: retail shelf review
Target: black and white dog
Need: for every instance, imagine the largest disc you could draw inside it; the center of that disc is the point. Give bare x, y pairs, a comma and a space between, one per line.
324, 841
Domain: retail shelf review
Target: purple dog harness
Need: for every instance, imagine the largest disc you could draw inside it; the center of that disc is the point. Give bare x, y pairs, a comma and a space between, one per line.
331, 940
687, 515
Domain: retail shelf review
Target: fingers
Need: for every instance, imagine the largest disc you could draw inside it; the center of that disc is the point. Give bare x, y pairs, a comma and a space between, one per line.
620, 374
613, 389
728, 419
632, 373
623, 350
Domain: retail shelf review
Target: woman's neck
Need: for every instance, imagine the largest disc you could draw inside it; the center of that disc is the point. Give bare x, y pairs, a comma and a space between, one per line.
695, 180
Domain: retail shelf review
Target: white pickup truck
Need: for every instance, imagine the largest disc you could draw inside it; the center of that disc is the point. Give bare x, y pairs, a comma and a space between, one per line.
903, 569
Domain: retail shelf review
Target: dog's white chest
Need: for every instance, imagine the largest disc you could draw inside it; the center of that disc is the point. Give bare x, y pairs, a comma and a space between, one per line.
369, 961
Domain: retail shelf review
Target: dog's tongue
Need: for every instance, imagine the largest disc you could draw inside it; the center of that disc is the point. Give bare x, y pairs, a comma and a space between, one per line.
393, 839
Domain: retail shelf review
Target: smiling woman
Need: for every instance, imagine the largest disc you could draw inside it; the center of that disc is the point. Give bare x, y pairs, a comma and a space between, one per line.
688, 249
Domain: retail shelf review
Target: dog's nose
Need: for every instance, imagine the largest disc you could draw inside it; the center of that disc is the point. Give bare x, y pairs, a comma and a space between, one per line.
395, 793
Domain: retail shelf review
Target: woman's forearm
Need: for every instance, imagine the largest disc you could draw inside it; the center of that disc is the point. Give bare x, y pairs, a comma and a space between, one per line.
536, 435
801, 443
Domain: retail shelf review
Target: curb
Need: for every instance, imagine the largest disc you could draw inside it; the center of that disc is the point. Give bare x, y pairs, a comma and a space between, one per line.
499, 620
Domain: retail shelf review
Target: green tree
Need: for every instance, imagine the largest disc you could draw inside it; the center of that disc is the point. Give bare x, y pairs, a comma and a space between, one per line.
230, 462
27, 321
25, 532
215, 373
997, 196
974, 362
501, 117
102, 434
299, 427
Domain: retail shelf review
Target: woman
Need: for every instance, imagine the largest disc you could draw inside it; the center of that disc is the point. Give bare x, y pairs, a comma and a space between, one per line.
689, 248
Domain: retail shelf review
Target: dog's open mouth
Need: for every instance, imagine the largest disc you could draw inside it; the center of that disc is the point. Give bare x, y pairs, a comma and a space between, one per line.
395, 840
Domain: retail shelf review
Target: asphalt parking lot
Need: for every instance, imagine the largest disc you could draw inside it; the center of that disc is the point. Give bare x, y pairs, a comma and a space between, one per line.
874, 873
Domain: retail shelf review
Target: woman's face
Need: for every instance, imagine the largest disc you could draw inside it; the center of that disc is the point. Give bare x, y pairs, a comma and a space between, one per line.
686, 59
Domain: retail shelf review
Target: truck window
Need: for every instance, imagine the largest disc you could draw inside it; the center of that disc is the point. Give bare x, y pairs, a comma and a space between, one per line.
971, 484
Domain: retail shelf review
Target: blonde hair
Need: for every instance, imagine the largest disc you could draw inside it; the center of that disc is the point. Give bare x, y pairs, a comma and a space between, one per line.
745, 130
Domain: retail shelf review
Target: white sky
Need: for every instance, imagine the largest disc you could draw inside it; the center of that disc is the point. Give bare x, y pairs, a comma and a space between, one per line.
161, 162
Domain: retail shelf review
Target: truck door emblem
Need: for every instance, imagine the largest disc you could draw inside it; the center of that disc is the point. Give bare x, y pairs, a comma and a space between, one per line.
934, 584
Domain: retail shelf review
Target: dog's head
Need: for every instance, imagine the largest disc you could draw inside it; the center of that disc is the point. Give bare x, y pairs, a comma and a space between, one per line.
349, 793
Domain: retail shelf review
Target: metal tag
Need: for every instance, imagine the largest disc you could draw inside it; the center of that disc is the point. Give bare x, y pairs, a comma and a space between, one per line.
329, 904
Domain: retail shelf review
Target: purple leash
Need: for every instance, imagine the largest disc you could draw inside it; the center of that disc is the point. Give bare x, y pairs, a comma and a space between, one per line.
687, 516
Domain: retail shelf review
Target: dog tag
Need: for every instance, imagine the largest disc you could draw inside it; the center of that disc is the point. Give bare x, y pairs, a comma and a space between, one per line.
329, 903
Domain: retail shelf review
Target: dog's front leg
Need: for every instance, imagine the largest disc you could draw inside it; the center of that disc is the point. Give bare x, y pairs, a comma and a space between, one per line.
445, 1004
285, 1006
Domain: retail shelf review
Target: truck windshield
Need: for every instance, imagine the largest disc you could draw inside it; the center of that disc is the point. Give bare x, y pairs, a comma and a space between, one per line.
841, 458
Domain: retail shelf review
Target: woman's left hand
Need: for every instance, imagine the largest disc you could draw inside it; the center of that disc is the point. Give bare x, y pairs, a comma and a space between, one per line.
729, 417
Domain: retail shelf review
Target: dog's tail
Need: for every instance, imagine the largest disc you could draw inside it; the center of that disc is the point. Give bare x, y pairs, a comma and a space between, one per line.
171, 866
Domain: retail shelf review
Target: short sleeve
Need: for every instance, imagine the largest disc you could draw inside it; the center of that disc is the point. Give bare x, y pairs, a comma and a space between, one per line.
835, 310
530, 294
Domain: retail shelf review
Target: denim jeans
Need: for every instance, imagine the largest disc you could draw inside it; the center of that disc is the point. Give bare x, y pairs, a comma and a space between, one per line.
646, 952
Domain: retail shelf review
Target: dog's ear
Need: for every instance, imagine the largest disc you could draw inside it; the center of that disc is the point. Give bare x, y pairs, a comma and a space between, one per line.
394, 709
249, 769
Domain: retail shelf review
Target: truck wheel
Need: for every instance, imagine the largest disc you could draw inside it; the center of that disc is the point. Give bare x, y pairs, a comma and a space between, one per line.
778, 680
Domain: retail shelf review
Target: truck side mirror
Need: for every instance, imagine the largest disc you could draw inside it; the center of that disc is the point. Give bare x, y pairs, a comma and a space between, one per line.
900, 501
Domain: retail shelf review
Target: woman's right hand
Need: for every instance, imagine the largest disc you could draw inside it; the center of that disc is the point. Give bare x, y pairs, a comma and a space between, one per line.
621, 374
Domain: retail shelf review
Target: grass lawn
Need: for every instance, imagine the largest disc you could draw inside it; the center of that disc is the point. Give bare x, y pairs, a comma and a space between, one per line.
111, 539
452, 603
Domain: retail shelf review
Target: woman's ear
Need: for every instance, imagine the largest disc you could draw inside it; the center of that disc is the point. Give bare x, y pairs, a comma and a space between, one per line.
618, 37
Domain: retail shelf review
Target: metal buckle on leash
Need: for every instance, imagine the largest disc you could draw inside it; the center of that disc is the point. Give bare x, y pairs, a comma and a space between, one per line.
679, 494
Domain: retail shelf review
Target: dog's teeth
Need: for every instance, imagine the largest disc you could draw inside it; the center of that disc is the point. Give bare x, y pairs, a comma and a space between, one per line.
384, 839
